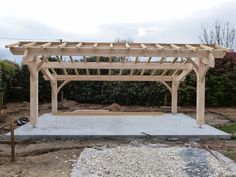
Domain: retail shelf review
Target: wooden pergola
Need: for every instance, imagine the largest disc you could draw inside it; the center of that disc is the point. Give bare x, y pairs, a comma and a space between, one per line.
168, 64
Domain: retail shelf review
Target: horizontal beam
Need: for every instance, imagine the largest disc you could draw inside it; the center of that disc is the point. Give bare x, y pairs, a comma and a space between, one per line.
112, 78
121, 52
116, 65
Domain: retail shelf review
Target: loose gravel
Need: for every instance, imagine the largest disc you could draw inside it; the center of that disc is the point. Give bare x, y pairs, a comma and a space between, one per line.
148, 161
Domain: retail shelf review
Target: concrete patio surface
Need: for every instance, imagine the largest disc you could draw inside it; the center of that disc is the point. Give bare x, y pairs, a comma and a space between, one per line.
117, 126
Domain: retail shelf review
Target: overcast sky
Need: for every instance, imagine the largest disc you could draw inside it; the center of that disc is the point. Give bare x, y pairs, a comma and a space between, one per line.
175, 21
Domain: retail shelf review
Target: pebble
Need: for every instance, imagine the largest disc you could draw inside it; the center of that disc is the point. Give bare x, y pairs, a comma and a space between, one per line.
142, 161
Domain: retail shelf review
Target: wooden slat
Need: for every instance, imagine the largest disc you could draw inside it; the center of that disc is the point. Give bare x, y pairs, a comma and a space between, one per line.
12, 45
110, 60
122, 61
162, 60
63, 45
149, 59
172, 62
29, 45
44, 59
48, 44
132, 70
190, 47
59, 59
95, 45
111, 45
193, 63
143, 71
127, 46
206, 47
177, 70
154, 72
222, 48
143, 46
79, 45
85, 61
72, 60
52, 69
164, 72
159, 47
98, 70
175, 47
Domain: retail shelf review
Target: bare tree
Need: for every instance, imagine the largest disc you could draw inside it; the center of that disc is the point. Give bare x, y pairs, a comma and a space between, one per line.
123, 40
221, 33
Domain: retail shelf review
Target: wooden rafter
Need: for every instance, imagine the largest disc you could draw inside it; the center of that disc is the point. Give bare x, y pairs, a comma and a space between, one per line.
172, 62
122, 62
143, 70
155, 70
48, 44
132, 70
98, 70
85, 61
79, 45
178, 70
110, 60
59, 58
72, 60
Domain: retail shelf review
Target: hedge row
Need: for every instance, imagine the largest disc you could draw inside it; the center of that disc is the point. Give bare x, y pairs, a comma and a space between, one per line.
220, 88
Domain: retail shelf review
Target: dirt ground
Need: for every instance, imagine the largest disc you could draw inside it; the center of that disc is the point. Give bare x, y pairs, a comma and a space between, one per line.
55, 158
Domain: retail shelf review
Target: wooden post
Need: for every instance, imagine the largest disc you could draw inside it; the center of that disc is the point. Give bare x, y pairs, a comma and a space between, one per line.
33, 91
200, 112
13, 154
174, 97
54, 95
200, 105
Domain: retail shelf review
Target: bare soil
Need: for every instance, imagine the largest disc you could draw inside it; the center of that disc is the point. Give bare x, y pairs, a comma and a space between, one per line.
55, 158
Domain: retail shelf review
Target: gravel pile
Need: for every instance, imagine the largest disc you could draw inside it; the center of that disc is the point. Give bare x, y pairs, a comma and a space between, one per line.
148, 161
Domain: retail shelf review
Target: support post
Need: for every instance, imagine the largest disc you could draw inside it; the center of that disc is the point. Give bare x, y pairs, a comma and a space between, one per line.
174, 97
54, 96
33, 91
200, 105
200, 112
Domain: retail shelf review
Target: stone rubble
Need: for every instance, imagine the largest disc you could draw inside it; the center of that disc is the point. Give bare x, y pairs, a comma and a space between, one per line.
148, 161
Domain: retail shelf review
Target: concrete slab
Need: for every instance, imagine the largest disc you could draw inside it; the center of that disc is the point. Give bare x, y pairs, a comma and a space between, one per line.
117, 126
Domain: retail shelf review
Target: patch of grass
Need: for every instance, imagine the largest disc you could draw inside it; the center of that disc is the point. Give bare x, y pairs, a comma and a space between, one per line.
228, 128
231, 154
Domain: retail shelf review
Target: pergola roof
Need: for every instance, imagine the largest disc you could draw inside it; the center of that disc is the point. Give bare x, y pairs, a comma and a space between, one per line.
117, 49
159, 62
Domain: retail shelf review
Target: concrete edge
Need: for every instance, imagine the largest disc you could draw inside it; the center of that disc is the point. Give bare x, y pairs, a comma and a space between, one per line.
115, 137
227, 161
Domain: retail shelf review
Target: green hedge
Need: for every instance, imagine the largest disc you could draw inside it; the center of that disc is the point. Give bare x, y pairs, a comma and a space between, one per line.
220, 89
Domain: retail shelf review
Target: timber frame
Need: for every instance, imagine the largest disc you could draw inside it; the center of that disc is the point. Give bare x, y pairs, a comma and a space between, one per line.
168, 64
